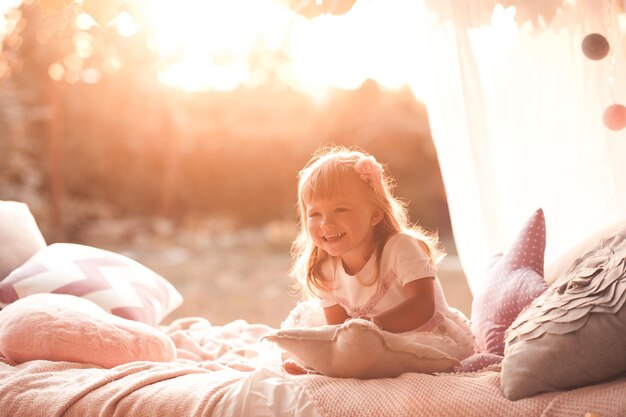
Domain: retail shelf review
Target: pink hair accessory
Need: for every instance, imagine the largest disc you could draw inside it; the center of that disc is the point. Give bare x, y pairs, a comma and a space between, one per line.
369, 170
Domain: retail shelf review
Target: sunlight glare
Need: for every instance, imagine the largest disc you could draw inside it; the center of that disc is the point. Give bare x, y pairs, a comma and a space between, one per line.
196, 72
206, 44
9, 16
375, 40
126, 25
490, 42
213, 44
209, 44
84, 22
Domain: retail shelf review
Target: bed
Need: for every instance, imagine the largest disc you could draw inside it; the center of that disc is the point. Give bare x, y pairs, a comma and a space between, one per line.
66, 351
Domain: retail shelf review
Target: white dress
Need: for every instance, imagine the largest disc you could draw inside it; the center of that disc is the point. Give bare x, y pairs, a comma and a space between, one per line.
403, 260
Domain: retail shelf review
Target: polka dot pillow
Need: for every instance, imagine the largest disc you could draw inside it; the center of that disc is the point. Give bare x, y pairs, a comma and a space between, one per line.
114, 282
478, 361
513, 281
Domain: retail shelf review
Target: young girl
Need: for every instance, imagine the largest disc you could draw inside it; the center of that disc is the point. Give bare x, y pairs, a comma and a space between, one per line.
358, 253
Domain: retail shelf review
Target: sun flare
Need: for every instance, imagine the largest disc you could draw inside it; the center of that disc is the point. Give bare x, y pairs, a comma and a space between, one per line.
207, 44
212, 44
218, 45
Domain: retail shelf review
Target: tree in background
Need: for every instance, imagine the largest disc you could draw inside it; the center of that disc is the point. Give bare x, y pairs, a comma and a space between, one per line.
94, 134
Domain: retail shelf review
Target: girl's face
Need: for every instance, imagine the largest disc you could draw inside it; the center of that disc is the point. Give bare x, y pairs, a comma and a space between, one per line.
343, 224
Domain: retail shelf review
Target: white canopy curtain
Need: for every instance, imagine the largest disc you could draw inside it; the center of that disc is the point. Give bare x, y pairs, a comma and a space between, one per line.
515, 111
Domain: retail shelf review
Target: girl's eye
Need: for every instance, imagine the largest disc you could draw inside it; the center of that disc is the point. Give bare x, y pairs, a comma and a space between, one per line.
313, 214
340, 209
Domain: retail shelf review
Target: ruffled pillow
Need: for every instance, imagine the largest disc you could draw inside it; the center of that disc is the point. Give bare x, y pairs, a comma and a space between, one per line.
559, 266
575, 333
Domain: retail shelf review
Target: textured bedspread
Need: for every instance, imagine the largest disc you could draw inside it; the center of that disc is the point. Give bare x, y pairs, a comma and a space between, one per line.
471, 394
211, 360
136, 389
227, 370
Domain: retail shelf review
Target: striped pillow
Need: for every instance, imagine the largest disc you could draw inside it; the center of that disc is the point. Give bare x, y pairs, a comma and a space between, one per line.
116, 283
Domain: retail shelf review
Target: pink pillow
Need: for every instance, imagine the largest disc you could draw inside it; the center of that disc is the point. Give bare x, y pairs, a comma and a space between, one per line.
512, 283
116, 283
479, 361
59, 327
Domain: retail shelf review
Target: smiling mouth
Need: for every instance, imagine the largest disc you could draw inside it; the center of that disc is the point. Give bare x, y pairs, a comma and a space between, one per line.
332, 238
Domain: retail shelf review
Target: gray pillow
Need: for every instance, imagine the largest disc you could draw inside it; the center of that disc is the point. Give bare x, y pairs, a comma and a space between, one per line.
574, 334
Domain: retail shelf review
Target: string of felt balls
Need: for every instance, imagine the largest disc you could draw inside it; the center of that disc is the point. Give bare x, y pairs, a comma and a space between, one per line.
596, 47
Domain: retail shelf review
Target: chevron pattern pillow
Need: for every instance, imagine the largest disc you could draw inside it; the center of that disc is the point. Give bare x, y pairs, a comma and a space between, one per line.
116, 283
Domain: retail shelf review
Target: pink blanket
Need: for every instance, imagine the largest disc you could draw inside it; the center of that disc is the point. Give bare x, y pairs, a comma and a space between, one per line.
212, 359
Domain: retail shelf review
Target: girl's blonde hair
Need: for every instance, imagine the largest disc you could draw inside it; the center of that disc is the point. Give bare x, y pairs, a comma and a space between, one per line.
325, 176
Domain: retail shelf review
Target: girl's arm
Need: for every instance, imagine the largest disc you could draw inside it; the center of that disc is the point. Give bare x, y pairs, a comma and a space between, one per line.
415, 311
335, 314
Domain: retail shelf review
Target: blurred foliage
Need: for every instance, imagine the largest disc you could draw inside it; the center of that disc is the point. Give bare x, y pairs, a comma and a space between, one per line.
314, 8
82, 149
537, 15
237, 153
103, 11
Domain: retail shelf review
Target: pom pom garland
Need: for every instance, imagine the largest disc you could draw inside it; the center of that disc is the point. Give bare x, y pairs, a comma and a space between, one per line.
615, 117
595, 46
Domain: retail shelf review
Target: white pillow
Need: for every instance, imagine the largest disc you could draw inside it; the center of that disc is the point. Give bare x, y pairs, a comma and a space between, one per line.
359, 349
20, 237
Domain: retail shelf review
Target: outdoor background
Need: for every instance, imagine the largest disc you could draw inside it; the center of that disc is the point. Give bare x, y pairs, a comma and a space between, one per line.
196, 182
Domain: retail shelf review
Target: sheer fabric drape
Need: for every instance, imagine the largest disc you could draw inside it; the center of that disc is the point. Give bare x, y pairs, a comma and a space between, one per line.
515, 111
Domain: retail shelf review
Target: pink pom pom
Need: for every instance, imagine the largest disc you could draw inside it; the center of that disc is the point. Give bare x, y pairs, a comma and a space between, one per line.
595, 46
615, 117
